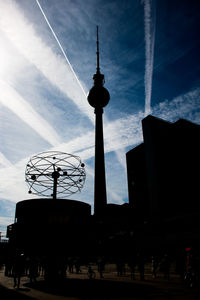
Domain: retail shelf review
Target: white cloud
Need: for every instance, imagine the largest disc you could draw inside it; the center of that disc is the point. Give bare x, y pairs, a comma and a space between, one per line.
12, 185
4, 162
183, 106
12, 100
23, 36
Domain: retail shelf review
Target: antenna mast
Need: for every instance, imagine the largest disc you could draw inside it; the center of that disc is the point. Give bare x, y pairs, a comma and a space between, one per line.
98, 77
98, 68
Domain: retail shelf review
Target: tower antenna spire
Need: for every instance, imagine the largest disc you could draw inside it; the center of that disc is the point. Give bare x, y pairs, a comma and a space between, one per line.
98, 68
98, 77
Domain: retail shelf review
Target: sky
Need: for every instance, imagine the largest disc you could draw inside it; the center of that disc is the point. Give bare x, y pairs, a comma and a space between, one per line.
149, 54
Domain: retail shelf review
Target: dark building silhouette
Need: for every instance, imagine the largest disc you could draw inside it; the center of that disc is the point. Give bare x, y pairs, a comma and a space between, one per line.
137, 182
172, 156
47, 226
163, 177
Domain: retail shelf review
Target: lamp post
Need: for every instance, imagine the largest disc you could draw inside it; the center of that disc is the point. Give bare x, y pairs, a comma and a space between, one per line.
98, 98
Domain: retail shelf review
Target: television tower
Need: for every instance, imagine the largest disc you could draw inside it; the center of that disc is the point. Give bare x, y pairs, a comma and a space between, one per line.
98, 98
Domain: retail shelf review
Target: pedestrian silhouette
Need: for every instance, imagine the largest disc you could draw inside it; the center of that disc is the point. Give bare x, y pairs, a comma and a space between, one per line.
18, 268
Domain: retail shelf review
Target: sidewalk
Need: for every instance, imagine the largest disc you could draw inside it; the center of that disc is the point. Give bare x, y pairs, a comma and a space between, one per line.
112, 287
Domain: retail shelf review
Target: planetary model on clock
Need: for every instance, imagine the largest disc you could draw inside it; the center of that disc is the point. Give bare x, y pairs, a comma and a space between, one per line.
55, 174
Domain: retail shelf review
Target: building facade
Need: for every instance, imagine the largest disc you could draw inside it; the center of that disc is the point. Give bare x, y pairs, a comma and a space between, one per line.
163, 175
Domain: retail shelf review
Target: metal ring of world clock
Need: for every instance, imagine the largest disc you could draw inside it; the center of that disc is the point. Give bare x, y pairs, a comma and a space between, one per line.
43, 167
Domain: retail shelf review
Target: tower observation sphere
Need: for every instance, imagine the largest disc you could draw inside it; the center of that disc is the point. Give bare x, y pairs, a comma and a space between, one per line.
98, 95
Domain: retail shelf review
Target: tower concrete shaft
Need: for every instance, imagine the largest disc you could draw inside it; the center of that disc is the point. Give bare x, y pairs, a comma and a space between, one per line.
100, 196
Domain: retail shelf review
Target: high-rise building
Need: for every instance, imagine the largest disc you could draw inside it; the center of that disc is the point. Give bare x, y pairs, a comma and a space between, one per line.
163, 170
137, 183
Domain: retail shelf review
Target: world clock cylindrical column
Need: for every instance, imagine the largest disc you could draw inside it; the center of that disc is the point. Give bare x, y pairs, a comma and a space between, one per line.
98, 98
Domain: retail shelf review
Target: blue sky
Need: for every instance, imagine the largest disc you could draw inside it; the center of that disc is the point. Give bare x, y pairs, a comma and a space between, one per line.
149, 54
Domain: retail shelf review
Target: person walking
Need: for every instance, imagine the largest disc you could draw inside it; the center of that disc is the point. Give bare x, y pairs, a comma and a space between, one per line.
18, 269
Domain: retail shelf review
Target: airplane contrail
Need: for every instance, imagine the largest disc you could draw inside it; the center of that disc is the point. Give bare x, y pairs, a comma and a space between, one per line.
61, 48
149, 30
